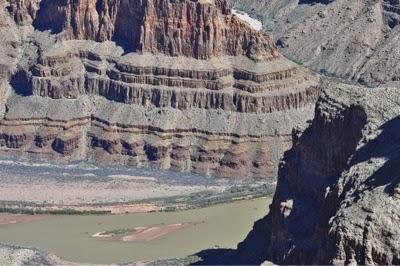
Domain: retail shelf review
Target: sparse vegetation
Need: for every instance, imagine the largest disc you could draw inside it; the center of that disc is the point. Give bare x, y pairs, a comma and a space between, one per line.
117, 232
31, 211
297, 61
169, 204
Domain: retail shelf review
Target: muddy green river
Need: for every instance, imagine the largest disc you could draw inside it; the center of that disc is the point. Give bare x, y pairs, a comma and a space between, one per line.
70, 237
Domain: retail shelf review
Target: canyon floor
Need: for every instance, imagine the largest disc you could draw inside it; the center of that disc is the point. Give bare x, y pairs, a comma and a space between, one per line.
37, 187
121, 214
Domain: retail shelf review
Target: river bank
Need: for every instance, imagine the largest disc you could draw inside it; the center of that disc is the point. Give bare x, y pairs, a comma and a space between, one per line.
40, 188
156, 215
222, 225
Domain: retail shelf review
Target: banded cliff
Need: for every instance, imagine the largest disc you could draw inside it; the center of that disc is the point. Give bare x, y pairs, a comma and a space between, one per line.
338, 192
181, 85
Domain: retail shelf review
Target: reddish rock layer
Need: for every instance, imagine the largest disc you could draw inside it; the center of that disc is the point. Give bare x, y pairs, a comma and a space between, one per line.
202, 152
199, 29
183, 85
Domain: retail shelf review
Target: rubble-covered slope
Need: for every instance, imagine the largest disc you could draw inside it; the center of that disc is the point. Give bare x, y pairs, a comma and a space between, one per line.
183, 85
15, 255
338, 192
355, 40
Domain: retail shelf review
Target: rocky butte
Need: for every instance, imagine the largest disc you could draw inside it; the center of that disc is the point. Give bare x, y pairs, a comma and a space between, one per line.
183, 85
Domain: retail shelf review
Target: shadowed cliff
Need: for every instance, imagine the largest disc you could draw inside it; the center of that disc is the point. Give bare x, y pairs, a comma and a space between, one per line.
338, 189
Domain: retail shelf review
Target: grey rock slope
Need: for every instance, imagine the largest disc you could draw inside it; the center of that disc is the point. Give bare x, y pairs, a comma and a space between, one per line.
350, 39
14, 255
338, 192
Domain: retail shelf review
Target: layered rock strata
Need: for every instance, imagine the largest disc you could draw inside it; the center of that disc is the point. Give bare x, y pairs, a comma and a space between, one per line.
337, 198
354, 40
181, 85
236, 84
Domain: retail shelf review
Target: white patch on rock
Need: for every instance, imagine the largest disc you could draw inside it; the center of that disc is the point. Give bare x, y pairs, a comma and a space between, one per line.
254, 23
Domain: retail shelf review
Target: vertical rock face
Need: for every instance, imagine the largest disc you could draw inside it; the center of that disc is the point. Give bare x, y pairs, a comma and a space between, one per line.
337, 195
103, 20
199, 29
23, 11
182, 85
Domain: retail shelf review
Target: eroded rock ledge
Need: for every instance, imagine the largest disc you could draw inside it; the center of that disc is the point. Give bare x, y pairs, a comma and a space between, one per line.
182, 85
74, 68
198, 140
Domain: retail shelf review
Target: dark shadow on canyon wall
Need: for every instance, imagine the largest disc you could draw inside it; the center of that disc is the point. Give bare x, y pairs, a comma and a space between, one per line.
386, 145
20, 83
256, 248
216, 257
246, 254
124, 29
53, 23
314, 163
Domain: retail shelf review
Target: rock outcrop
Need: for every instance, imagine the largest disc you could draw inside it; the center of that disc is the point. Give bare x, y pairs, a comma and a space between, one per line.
337, 198
355, 40
183, 85
199, 29
15, 255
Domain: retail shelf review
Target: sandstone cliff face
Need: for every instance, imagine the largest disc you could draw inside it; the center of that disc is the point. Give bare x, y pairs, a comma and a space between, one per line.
199, 29
356, 40
337, 199
182, 85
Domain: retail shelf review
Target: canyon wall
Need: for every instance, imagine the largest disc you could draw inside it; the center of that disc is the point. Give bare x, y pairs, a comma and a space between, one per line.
353, 40
199, 29
338, 192
182, 85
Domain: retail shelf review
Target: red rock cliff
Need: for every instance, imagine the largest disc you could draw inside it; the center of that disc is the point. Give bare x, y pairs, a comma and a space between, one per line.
199, 29
193, 89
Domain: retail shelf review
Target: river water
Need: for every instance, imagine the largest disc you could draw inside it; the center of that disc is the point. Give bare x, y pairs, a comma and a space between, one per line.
70, 237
